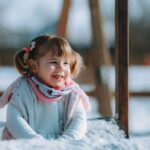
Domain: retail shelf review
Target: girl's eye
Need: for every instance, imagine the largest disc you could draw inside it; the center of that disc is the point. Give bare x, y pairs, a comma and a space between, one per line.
66, 63
53, 62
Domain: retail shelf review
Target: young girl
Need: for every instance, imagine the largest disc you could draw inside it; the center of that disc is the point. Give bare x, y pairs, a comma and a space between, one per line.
45, 102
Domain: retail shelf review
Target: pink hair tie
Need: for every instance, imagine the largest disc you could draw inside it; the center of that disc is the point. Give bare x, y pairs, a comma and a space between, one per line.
26, 54
26, 50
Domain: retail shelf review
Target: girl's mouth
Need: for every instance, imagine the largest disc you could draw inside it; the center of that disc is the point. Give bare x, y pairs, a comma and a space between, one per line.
58, 77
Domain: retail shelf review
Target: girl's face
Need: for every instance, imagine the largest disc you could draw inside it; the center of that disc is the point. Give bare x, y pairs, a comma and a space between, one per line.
53, 71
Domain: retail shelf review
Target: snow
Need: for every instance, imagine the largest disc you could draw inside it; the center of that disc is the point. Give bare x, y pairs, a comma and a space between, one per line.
101, 134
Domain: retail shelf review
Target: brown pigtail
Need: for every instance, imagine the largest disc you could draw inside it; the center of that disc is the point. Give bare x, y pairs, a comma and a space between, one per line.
76, 64
20, 65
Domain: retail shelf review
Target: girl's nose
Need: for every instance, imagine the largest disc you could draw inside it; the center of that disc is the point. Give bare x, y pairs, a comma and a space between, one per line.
60, 66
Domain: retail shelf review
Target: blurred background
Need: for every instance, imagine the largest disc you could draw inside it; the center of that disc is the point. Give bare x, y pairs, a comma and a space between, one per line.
23, 20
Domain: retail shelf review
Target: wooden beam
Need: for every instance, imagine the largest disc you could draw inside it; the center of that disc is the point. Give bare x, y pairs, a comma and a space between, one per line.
100, 57
62, 25
140, 94
122, 48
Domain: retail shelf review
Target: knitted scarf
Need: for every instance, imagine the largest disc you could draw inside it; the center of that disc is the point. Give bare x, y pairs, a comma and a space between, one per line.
48, 94
45, 93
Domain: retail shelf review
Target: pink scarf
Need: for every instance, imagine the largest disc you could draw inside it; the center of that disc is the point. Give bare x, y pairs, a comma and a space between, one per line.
4, 99
45, 93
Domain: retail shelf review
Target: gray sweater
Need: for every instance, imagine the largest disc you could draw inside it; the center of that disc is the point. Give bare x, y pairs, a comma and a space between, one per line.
28, 117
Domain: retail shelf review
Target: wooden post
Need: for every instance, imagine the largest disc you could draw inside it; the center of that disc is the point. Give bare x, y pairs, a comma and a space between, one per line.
100, 58
122, 47
62, 25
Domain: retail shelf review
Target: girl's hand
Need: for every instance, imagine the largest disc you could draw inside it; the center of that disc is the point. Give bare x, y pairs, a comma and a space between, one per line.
6, 135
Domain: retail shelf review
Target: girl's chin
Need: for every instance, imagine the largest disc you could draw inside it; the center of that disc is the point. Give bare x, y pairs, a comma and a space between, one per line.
58, 86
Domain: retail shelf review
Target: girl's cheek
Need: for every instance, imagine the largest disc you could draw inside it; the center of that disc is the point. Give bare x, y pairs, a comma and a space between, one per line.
51, 67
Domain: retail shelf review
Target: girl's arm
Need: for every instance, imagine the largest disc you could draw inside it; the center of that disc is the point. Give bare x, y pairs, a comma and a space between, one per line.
16, 124
78, 125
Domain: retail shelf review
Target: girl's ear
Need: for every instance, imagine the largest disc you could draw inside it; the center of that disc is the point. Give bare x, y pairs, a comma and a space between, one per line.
33, 66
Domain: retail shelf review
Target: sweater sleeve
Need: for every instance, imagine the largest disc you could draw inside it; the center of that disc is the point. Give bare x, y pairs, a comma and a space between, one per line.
16, 123
77, 127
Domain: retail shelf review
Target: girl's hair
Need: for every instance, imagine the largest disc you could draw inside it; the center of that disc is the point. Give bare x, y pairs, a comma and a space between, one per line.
43, 44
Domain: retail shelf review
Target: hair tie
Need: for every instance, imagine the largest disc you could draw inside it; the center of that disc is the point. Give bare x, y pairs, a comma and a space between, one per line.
32, 45
27, 50
26, 54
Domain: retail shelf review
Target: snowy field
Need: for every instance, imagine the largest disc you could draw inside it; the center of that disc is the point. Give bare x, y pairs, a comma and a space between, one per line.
101, 135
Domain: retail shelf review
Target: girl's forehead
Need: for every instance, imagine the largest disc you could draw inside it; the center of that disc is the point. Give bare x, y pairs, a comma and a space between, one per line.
54, 56
58, 56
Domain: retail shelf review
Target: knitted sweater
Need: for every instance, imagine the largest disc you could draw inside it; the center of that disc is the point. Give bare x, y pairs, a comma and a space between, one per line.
28, 117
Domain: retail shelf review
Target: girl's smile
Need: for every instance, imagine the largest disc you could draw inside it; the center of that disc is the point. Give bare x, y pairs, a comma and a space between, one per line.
58, 77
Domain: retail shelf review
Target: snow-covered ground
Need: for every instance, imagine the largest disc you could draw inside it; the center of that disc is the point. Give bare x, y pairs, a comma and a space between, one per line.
101, 135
